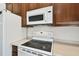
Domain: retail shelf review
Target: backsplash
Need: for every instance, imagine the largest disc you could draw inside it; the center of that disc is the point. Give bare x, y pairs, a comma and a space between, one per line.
40, 30
70, 33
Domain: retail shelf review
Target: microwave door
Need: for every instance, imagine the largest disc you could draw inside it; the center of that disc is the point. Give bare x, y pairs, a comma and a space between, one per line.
36, 18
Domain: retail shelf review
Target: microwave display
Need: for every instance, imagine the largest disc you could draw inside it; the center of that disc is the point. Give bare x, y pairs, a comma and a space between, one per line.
36, 17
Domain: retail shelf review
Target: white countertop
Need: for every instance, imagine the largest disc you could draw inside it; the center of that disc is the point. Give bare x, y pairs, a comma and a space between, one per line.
19, 42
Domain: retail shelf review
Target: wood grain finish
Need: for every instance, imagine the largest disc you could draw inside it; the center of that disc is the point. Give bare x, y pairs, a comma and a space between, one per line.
66, 12
24, 7
14, 50
14, 8
9, 6
33, 6
17, 8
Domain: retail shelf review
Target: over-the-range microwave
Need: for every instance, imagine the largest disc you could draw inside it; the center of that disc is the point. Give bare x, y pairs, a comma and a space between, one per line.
40, 16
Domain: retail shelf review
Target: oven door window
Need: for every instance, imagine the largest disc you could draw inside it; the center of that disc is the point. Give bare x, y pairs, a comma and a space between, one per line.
36, 18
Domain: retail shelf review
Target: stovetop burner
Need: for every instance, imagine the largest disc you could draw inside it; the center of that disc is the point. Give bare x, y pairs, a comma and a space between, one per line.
42, 45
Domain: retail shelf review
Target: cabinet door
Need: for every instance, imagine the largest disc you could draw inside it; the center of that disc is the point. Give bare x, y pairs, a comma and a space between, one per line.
75, 11
61, 12
33, 6
24, 9
9, 6
14, 8
41, 5
66, 13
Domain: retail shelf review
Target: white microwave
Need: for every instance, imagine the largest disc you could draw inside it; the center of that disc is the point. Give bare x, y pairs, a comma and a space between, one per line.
40, 16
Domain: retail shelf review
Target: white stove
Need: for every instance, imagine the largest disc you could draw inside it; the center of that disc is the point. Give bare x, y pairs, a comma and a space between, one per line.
38, 46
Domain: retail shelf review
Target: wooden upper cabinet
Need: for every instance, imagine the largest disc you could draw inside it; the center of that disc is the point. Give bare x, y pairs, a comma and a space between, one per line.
24, 9
9, 6
63, 13
45, 4
66, 13
33, 6
14, 8
76, 11
17, 8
